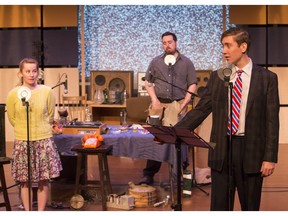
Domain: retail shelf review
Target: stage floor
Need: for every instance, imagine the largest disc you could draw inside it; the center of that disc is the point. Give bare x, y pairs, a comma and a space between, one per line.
123, 170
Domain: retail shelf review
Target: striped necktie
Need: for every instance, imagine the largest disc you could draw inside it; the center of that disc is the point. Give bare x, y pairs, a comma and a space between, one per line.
236, 102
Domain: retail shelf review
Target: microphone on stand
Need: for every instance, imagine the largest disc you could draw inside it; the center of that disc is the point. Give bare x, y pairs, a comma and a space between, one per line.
66, 85
170, 60
225, 73
24, 94
23, 99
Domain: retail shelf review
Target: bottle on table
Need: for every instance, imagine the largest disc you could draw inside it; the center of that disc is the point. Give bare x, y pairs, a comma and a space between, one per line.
123, 117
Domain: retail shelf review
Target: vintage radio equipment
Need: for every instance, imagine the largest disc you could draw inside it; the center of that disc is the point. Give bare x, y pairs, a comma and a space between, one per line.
141, 84
202, 78
112, 80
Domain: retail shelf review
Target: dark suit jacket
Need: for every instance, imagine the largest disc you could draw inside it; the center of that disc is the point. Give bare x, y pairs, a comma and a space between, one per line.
262, 119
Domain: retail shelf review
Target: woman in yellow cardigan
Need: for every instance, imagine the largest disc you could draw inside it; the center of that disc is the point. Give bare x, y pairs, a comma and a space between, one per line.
44, 159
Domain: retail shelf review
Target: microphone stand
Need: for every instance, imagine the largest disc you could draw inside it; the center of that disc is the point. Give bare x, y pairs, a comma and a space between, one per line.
26, 103
185, 90
57, 85
230, 170
178, 205
173, 77
227, 72
61, 83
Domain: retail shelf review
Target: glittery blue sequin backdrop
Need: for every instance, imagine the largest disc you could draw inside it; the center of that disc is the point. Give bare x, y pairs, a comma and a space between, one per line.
123, 37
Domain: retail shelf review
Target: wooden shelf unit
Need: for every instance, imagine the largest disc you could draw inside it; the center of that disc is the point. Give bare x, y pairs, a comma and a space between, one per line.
107, 113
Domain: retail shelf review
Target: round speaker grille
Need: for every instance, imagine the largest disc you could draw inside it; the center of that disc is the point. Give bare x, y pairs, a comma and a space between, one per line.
100, 80
206, 79
117, 84
200, 91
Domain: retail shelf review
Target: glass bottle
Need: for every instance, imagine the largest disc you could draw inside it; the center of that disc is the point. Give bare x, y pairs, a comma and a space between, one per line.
88, 114
123, 118
106, 95
99, 96
125, 96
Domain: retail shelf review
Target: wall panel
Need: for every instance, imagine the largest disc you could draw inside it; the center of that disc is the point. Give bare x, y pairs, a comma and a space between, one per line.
277, 45
256, 14
258, 45
15, 16
61, 47
8, 80
16, 44
277, 14
277, 37
282, 73
283, 135
60, 15
20, 34
248, 14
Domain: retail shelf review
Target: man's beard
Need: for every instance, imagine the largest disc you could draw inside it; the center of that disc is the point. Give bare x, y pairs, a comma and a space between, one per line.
170, 52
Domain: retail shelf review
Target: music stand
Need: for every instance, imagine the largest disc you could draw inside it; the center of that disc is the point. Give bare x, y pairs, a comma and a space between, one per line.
193, 180
177, 136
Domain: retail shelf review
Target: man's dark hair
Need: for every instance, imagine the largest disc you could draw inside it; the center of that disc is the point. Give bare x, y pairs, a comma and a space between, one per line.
241, 36
170, 33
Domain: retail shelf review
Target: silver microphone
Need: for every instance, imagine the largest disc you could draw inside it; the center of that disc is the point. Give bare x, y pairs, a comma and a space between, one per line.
225, 73
150, 79
66, 85
23, 99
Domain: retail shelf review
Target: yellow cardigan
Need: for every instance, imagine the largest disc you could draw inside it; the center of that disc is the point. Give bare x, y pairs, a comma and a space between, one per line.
41, 113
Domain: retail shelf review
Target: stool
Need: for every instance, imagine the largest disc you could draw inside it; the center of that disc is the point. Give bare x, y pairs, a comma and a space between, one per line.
104, 182
3, 188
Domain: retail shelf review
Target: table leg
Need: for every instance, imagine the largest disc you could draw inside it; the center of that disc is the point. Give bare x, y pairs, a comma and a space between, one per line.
78, 172
107, 175
102, 182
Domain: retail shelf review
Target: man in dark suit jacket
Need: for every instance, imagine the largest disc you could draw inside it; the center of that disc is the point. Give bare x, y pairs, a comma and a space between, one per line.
255, 144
